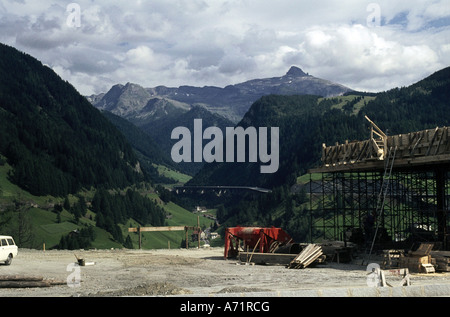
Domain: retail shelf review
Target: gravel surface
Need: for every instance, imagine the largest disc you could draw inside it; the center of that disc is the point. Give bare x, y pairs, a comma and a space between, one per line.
178, 272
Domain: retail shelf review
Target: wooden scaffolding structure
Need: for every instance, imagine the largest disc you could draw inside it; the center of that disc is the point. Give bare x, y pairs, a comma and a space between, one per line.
427, 147
409, 204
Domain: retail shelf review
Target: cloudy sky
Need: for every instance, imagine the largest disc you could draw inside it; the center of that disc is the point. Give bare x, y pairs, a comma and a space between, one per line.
366, 45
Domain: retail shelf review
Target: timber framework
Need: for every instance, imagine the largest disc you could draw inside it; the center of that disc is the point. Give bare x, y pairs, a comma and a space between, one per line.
427, 147
385, 191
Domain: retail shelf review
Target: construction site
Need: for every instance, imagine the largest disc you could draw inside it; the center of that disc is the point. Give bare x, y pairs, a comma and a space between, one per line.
378, 213
383, 198
391, 191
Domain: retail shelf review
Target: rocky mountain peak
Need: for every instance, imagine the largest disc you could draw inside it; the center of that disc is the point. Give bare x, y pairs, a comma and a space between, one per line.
296, 71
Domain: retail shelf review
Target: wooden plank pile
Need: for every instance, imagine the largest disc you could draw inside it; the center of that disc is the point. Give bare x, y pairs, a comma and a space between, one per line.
423, 260
266, 258
418, 261
21, 281
391, 258
441, 260
310, 254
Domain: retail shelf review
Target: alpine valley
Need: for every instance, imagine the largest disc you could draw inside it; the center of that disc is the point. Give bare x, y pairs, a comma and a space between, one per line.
70, 179
308, 112
98, 165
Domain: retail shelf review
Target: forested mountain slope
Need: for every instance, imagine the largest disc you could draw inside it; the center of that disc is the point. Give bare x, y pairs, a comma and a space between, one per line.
306, 122
54, 139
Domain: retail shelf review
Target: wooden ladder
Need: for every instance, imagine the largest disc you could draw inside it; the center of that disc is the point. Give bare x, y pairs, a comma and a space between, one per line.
388, 165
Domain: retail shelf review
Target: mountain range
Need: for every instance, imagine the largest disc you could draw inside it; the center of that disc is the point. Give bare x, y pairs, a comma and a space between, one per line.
297, 102
157, 111
142, 105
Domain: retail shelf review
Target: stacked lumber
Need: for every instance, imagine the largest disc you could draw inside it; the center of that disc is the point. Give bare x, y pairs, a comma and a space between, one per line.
418, 261
441, 260
266, 258
21, 281
308, 255
391, 258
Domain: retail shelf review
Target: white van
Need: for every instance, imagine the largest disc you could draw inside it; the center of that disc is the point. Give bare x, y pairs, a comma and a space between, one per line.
8, 249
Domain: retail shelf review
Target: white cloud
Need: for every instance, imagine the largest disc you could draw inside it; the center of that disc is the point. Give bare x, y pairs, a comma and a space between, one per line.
357, 56
199, 42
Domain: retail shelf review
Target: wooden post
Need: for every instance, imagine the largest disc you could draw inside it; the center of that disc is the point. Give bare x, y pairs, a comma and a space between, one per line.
167, 228
254, 250
440, 174
140, 241
198, 231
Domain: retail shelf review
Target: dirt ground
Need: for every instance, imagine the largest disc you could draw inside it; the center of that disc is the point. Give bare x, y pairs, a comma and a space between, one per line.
190, 272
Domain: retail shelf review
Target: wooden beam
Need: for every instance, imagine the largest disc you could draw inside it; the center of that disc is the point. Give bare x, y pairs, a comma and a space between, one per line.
430, 145
22, 281
267, 258
168, 228
444, 132
21, 278
378, 130
30, 284
153, 229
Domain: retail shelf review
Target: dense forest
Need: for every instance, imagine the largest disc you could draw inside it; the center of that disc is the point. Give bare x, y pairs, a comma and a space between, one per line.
56, 142
304, 123
147, 150
160, 130
423, 105
114, 209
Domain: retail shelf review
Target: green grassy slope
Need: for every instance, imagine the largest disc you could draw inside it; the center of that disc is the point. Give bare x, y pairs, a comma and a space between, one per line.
46, 230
